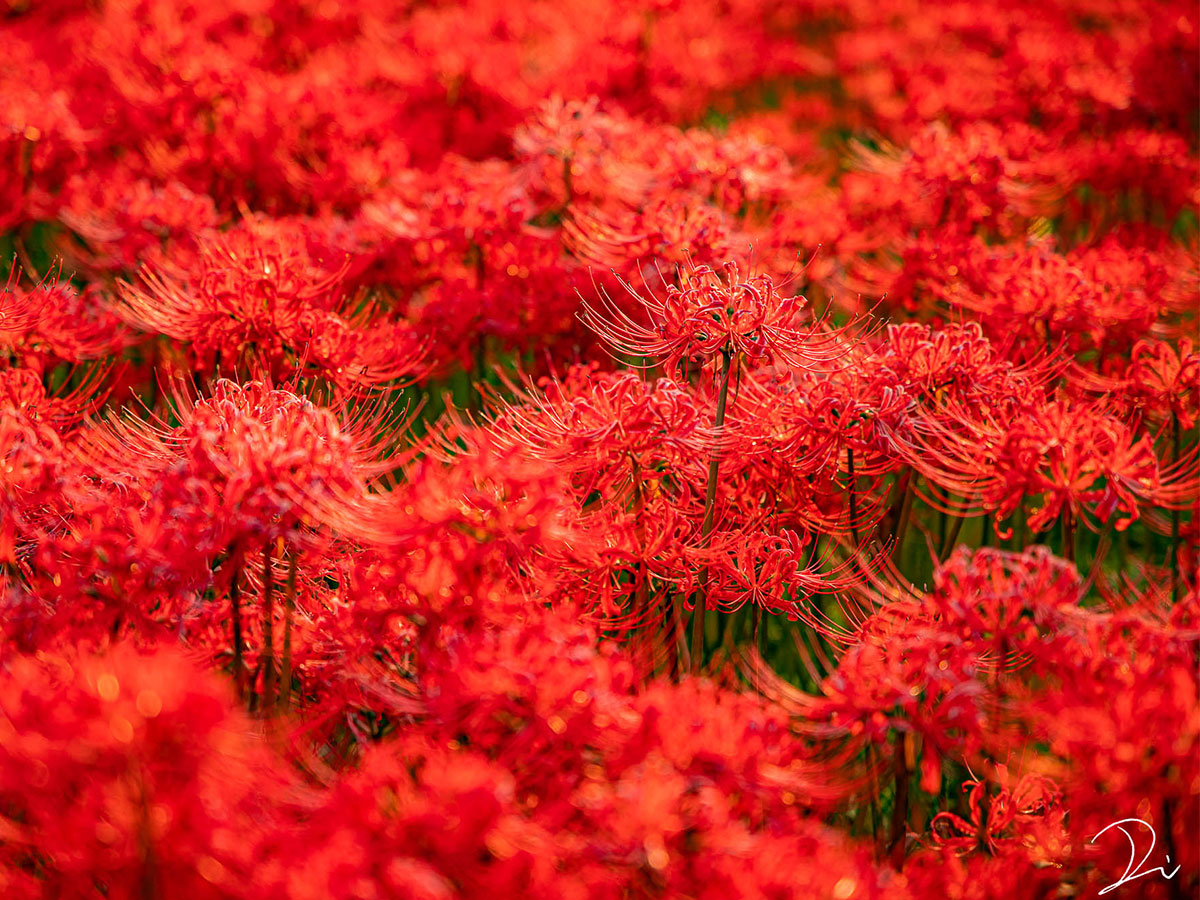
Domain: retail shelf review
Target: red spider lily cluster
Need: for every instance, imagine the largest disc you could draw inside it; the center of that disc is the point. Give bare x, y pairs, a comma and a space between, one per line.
660, 449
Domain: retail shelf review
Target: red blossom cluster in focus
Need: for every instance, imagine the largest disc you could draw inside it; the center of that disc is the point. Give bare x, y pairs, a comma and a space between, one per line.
599, 450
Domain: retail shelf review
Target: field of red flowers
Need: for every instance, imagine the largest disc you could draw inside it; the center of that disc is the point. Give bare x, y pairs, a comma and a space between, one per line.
615, 449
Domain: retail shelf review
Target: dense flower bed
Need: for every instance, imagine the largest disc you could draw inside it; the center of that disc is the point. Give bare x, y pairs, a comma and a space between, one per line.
675, 448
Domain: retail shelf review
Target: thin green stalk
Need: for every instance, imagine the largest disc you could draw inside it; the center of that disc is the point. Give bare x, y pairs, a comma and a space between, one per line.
724, 632
235, 602
474, 394
1176, 889
149, 885
641, 600
1174, 555
952, 534
906, 506
900, 806
676, 648
891, 519
289, 610
475, 397
679, 661
876, 813
1068, 534
853, 495
710, 502
268, 627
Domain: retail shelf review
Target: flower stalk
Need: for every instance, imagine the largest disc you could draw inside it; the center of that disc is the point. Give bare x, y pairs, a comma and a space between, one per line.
710, 500
289, 613
268, 627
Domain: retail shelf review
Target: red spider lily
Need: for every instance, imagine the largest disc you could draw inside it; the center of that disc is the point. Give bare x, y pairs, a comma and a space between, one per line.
465, 242
1000, 818
1097, 299
261, 447
43, 143
597, 424
1075, 463
912, 676
1006, 600
396, 802
1074, 457
257, 291
63, 325
1016, 870
777, 573
441, 526
713, 312
37, 433
666, 229
1118, 703
960, 181
1163, 381
172, 514
121, 221
131, 769
625, 444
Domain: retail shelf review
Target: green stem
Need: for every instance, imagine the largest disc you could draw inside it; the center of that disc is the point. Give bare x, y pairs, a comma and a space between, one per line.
1068, 534
1176, 888
289, 609
906, 506
677, 646
952, 534
236, 605
853, 496
876, 813
891, 519
641, 601
1174, 555
474, 394
268, 631
710, 501
900, 807
149, 883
